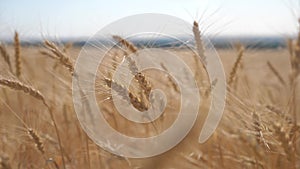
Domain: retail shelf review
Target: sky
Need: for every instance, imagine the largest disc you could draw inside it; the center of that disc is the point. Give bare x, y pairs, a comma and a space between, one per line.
75, 19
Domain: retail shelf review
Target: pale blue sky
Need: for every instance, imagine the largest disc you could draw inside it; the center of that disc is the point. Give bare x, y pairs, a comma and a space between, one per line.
74, 18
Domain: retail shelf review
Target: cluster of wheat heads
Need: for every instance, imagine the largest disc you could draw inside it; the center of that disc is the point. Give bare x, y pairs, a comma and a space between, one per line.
267, 110
39, 128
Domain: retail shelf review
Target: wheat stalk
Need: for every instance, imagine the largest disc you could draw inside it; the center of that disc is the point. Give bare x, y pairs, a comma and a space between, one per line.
17, 54
37, 140
298, 42
276, 73
67, 46
118, 88
5, 56
290, 47
51, 160
138, 103
144, 84
45, 53
139, 76
132, 64
211, 87
130, 46
174, 85
235, 67
274, 109
4, 162
122, 91
258, 128
297, 53
60, 55
285, 141
31, 133
19, 86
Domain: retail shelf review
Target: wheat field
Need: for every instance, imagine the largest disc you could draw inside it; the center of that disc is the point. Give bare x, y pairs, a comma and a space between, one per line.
260, 127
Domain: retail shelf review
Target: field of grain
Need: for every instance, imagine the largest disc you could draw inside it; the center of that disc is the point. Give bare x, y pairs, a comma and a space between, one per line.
260, 127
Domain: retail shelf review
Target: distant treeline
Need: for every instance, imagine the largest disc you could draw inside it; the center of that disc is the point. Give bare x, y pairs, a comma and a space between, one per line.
223, 42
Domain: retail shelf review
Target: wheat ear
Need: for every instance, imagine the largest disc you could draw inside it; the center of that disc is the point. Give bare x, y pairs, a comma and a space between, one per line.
17, 85
258, 128
139, 76
37, 140
198, 42
17, 54
132, 64
144, 84
130, 46
59, 55
48, 54
122, 91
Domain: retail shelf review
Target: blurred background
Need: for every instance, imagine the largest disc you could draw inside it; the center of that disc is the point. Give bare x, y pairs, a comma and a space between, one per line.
35, 19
